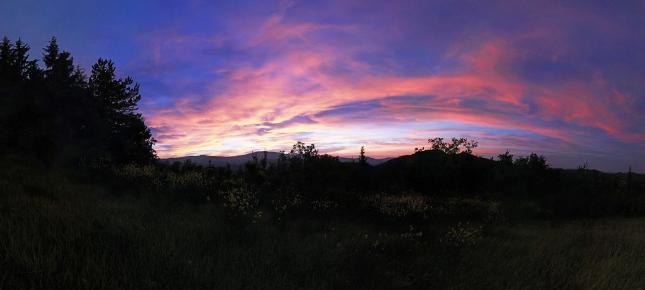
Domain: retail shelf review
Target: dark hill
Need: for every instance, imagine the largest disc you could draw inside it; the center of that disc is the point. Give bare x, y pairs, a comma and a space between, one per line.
239, 160
435, 171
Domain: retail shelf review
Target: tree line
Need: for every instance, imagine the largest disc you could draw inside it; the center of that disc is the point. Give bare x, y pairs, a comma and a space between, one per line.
446, 172
53, 110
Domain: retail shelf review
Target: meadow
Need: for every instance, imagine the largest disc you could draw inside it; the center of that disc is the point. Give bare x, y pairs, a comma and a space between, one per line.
63, 230
86, 203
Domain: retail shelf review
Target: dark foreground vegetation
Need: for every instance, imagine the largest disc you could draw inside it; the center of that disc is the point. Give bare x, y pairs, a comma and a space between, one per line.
85, 204
59, 232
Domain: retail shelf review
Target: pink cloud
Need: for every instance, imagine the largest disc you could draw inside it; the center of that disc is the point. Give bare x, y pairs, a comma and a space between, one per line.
297, 81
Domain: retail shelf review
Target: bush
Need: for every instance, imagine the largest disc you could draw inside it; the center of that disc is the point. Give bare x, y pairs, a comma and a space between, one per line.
242, 203
463, 235
398, 206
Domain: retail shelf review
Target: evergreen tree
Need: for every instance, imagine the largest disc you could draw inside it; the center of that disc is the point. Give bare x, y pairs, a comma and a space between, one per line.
50, 54
124, 131
65, 90
630, 177
20, 60
5, 54
17, 100
56, 114
5, 103
362, 159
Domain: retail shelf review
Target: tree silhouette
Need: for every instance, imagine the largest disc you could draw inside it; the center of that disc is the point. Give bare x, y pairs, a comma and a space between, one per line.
458, 145
506, 158
55, 113
301, 151
126, 134
362, 159
532, 161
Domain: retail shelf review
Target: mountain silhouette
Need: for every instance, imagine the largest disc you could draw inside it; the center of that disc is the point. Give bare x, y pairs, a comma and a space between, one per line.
239, 160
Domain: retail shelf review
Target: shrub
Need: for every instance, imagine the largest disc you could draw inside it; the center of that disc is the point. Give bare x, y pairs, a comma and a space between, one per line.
398, 206
463, 235
241, 202
286, 201
472, 208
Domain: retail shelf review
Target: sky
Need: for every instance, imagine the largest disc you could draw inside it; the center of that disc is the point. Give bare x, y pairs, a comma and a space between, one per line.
565, 79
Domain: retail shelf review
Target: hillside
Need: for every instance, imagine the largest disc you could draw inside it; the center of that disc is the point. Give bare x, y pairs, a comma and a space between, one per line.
239, 160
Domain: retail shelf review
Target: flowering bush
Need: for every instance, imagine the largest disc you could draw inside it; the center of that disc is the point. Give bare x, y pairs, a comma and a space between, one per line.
398, 206
241, 201
133, 171
463, 234
140, 175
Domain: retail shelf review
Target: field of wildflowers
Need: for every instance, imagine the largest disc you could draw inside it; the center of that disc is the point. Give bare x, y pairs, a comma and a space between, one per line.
60, 231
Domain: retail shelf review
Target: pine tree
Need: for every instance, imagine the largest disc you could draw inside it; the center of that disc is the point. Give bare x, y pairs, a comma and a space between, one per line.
20, 60
20, 93
5, 102
50, 54
5, 59
56, 114
630, 177
127, 137
362, 159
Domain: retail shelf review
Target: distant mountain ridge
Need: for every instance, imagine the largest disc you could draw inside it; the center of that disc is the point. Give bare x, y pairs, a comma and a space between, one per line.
239, 160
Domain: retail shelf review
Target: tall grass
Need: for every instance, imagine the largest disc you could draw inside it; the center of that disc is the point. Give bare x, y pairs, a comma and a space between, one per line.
59, 233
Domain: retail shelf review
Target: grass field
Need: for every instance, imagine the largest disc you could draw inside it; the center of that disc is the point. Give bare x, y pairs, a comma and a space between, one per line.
59, 233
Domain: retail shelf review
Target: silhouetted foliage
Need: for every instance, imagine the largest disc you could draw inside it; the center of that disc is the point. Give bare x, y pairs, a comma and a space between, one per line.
460, 185
458, 145
57, 114
362, 159
506, 158
125, 133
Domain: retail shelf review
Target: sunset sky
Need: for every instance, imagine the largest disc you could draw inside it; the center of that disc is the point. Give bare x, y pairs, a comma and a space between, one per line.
565, 79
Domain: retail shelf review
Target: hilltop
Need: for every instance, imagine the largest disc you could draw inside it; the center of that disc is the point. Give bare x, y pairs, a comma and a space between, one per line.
239, 160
